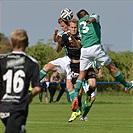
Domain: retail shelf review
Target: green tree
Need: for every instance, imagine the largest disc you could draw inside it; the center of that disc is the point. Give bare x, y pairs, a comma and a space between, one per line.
43, 53
4, 44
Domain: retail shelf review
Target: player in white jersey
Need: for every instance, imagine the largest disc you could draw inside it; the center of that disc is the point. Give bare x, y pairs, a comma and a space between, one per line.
90, 31
60, 65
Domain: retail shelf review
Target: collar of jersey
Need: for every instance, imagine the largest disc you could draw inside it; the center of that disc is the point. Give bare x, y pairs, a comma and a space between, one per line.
15, 52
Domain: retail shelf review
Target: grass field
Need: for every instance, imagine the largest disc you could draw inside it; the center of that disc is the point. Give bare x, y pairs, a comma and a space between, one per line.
111, 113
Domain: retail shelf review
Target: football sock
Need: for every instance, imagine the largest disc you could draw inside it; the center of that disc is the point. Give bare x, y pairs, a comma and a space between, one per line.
43, 73
78, 85
86, 108
118, 76
71, 94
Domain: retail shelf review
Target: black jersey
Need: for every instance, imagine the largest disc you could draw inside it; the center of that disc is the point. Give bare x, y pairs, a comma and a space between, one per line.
73, 52
16, 71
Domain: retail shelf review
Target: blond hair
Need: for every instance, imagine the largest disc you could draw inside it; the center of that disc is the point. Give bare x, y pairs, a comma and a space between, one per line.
19, 39
73, 20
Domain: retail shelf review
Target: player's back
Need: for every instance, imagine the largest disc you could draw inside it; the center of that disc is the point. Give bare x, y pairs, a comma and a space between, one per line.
16, 71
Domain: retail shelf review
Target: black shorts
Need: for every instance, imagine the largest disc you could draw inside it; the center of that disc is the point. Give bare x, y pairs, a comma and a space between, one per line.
90, 73
14, 122
75, 69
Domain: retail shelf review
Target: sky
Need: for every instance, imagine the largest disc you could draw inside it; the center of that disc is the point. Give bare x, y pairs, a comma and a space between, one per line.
39, 18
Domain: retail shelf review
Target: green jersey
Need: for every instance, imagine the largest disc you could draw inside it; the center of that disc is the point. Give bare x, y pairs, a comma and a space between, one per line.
90, 33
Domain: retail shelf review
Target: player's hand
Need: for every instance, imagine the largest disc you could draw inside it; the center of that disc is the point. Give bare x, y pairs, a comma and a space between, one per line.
59, 38
69, 33
56, 30
75, 104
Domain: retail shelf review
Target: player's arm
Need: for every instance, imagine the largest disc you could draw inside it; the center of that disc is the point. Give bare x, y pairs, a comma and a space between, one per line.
58, 47
99, 75
93, 18
62, 42
75, 42
98, 67
34, 92
35, 82
55, 36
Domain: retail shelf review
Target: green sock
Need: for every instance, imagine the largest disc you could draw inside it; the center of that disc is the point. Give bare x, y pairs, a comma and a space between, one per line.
43, 73
86, 108
118, 76
71, 94
78, 85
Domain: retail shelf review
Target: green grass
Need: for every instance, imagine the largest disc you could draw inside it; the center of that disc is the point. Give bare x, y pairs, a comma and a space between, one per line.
111, 113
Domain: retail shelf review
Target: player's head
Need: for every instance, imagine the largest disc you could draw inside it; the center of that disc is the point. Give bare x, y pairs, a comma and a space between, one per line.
82, 13
63, 24
73, 26
19, 39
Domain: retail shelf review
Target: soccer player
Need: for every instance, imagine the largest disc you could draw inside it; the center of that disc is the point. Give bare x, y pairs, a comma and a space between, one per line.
17, 70
60, 65
90, 31
71, 41
90, 97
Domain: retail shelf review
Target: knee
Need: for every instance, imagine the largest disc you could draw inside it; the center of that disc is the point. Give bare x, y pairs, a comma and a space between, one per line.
92, 85
69, 85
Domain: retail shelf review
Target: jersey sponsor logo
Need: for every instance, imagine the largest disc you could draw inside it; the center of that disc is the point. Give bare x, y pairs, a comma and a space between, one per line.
9, 98
15, 62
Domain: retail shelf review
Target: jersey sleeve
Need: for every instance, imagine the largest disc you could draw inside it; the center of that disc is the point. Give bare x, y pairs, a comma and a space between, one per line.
64, 40
35, 76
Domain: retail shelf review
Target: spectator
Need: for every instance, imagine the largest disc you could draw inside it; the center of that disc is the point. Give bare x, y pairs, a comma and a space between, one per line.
44, 85
63, 89
54, 80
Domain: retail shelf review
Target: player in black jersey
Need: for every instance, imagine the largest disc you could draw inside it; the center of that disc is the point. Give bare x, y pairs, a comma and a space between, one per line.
17, 70
71, 41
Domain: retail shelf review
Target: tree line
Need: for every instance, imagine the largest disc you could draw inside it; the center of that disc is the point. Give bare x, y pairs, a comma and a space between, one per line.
44, 53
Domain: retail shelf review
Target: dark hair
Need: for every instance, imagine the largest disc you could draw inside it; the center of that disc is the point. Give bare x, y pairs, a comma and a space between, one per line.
63, 20
82, 13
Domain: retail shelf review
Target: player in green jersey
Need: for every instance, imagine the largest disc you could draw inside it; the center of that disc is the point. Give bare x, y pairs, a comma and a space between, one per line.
90, 31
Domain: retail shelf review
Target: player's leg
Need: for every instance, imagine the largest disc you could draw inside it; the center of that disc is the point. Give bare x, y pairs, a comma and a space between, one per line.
40, 94
88, 104
15, 123
48, 67
67, 95
118, 76
106, 61
80, 99
85, 64
90, 89
45, 94
62, 90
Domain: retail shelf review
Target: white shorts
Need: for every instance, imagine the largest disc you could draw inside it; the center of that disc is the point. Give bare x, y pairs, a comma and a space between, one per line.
63, 65
86, 89
94, 52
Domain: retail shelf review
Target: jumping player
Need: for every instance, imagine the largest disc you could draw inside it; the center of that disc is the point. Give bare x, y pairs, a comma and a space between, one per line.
90, 31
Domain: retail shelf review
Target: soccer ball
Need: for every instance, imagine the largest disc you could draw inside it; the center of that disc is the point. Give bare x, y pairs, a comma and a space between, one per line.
66, 14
